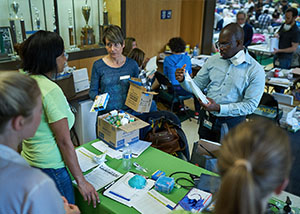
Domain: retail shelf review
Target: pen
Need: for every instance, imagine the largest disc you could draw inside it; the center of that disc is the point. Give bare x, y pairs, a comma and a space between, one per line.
120, 196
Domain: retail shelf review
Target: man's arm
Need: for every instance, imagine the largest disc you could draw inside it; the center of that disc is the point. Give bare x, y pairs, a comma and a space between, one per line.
251, 97
291, 49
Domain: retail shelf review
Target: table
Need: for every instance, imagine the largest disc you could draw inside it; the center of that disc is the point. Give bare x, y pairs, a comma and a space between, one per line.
152, 159
292, 82
262, 50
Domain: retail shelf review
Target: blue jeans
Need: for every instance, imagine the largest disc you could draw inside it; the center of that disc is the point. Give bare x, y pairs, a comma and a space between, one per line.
63, 182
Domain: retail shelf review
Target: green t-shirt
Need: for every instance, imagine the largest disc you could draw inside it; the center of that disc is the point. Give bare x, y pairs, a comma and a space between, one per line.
41, 150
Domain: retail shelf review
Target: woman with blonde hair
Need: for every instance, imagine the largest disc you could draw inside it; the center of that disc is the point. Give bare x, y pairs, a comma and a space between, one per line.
23, 189
254, 161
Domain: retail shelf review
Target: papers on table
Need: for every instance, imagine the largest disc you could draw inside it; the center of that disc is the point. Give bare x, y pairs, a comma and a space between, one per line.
85, 159
136, 148
102, 176
123, 193
281, 81
103, 147
198, 93
153, 202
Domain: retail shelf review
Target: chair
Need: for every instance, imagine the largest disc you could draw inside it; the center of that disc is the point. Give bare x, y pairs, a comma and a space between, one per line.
268, 107
169, 94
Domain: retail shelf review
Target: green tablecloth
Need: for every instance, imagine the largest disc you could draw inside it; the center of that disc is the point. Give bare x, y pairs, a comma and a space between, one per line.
152, 159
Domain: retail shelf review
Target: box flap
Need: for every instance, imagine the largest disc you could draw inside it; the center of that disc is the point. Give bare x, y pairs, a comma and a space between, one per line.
150, 92
137, 124
211, 146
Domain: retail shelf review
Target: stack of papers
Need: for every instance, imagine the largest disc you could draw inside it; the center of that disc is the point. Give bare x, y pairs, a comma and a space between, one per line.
198, 93
102, 176
281, 81
85, 159
103, 147
154, 202
125, 194
136, 148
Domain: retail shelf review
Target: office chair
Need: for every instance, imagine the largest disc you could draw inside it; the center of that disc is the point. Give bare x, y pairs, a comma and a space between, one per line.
169, 94
266, 107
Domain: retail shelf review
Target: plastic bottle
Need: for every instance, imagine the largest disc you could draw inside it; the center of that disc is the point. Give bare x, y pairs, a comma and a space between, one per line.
126, 162
195, 51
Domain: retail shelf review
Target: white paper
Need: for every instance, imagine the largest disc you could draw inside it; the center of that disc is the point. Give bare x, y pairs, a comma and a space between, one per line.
123, 190
277, 80
102, 176
199, 62
151, 66
153, 202
103, 147
138, 147
85, 159
198, 93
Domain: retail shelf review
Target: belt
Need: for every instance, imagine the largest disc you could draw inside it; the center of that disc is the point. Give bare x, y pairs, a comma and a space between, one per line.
222, 118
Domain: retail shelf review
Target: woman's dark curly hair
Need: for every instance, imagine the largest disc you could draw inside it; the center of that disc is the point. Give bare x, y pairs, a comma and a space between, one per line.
177, 45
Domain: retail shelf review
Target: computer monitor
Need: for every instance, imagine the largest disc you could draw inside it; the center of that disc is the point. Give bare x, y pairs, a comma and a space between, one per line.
6, 44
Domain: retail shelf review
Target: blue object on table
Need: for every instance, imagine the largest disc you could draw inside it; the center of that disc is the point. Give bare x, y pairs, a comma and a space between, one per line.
157, 174
137, 182
164, 184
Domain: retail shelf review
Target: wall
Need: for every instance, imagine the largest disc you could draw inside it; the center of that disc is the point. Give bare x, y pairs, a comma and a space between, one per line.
143, 23
192, 12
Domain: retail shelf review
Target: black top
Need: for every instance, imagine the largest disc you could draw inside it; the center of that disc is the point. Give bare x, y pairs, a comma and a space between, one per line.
287, 37
248, 34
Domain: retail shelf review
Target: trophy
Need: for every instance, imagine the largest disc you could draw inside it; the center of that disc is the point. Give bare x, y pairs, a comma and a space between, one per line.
71, 29
37, 19
87, 37
104, 24
17, 24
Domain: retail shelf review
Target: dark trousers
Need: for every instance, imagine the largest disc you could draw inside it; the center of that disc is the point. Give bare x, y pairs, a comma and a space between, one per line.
211, 126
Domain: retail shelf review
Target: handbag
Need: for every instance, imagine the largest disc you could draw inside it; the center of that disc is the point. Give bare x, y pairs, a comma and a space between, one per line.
164, 137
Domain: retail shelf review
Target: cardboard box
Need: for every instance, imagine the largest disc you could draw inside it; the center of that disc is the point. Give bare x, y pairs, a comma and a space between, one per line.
81, 80
118, 137
138, 98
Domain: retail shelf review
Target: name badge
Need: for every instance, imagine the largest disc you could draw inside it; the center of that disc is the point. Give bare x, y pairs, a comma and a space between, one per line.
207, 124
124, 77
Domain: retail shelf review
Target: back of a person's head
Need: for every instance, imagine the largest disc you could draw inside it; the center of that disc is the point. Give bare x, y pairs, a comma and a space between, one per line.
253, 161
266, 11
128, 45
18, 96
292, 10
39, 52
114, 34
138, 55
177, 45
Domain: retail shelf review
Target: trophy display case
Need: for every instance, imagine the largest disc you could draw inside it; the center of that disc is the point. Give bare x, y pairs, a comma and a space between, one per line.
79, 22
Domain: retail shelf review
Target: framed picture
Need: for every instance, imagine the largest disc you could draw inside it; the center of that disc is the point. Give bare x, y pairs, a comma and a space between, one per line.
6, 44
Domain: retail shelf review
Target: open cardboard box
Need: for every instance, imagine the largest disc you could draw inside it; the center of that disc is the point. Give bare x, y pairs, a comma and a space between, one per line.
138, 98
118, 137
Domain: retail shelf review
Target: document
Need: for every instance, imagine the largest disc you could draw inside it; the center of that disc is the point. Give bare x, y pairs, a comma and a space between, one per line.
153, 202
198, 93
85, 159
125, 194
138, 148
103, 147
151, 66
102, 176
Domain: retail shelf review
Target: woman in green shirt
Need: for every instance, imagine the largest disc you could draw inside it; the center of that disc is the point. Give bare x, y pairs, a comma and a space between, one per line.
51, 148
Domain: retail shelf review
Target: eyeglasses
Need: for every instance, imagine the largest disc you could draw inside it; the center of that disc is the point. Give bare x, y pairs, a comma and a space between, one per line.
222, 45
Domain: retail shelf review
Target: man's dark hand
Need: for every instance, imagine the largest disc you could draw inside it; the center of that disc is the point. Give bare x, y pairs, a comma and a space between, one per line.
179, 73
211, 106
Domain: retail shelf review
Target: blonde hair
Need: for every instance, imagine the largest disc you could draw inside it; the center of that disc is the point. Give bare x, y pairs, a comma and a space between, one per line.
254, 160
138, 55
18, 96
